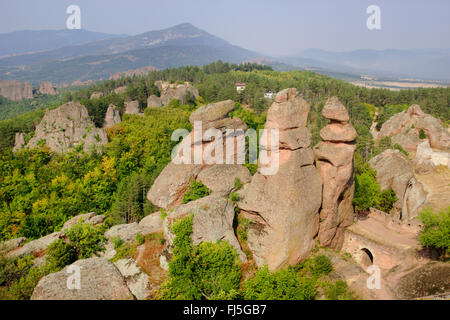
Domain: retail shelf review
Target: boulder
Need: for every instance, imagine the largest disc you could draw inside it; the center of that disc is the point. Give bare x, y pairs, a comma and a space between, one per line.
12, 244
15, 90
394, 170
334, 110
212, 112
168, 189
283, 207
429, 279
404, 129
426, 159
64, 128
334, 160
132, 107
112, 117
99, 280
153, 222
36, 246
213, 221
89, 218
136, 279
128, 232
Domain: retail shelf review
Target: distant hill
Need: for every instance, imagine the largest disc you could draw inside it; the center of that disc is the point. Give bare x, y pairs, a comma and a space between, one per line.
27, 41
419, 63
176, 46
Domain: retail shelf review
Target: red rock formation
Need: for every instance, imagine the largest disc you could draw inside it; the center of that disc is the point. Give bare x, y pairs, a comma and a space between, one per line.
334, 159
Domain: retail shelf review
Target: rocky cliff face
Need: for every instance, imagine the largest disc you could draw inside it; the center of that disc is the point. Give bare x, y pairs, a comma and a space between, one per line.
284, 207
172, 91
395, 170
404, 129
129, 73
334, 160
66, 127
16, 90
46, 87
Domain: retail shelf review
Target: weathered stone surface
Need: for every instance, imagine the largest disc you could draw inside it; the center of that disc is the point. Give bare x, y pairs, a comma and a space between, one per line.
19, 141
426, 159
16, 90
128, 232
337, 132
430, 279
66, 127
12, 244
132, 107
288, 112
284, 206
154, 101
89, 218
136, 279
213, 221
404, 128
152, 222
212, 112
339, 154
112, 117
170, 186
394, 170
220, 177
99, 280
36, 246
335, 110
46, 87
334, 160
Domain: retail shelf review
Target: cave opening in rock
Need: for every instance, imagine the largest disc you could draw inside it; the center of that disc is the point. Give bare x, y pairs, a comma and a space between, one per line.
366, 257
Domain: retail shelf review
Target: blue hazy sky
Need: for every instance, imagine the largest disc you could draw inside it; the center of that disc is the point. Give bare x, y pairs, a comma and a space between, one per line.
272, 27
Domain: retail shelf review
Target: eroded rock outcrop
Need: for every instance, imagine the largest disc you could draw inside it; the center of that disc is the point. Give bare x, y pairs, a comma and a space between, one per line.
99, 280
89, 218
169, 92
394, 170
132, 107
19, 141
112, 117
136, 279
334, 160
213, 221
404, 128
284, 206
47, 87
16, 90
426, 159
66, 127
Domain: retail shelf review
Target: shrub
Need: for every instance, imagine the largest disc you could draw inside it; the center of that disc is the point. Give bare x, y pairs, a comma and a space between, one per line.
117, 242
234, 197
196, 190
86, 239
436, 231
386, 200
422, 134
140, 239
281, 285
237, 183
337, 290
207, 271
60, 254
321, 265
